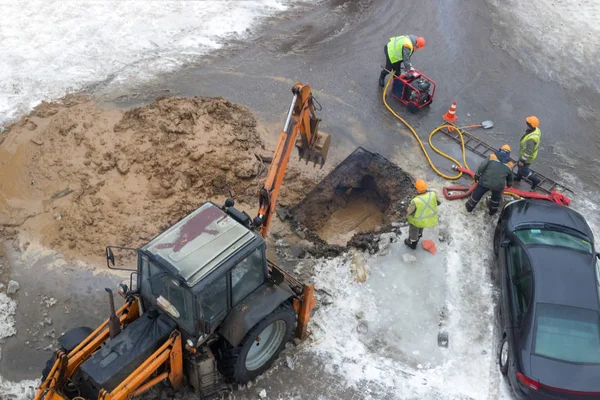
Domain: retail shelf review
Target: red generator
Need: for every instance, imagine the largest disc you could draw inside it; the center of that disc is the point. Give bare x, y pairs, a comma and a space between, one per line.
413, 89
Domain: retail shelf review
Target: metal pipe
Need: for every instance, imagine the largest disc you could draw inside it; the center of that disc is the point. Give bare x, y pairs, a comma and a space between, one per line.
289, 116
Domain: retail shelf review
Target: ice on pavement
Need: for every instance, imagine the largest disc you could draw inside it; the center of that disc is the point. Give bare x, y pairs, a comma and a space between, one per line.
50, 48
404, 306
23, 390
563, 35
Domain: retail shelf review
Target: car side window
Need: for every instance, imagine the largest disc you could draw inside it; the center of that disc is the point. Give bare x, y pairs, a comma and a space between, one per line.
521, 281
248, 275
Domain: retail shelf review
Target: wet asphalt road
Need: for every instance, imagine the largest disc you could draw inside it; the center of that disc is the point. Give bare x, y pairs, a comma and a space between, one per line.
336, 47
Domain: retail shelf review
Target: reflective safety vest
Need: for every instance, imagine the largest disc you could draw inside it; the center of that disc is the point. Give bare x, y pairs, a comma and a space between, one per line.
395, 46
535, 136
426, 213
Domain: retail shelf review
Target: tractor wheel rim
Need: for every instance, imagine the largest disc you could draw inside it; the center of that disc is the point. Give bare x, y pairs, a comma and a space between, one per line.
504, 353
265, 345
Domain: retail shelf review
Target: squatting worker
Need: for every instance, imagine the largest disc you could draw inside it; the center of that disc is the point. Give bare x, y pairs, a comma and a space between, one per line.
422, 212
530, 143
399, 50
493, 174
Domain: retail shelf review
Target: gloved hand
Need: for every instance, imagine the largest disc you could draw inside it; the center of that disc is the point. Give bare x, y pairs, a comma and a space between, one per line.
476, 177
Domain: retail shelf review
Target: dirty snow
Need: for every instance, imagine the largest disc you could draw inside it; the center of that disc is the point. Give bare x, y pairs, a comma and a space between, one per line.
563, 35
51, 48
12, 390
404, 306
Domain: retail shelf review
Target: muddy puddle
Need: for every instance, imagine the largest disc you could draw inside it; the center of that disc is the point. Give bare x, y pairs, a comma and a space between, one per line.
364, 195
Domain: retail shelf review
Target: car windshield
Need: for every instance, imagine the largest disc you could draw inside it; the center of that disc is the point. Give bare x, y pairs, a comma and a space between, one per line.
553, 238
567, 333
165, 292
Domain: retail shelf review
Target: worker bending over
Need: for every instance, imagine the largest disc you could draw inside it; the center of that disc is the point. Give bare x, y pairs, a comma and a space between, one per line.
399, 50
530, 143
493, 174
422, 212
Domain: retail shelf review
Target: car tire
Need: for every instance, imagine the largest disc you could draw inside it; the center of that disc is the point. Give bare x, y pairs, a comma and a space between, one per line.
503, 355
245, 362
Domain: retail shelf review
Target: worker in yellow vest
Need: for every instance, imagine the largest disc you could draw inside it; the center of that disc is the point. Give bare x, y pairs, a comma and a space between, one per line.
529, 146
422, 212
399, 50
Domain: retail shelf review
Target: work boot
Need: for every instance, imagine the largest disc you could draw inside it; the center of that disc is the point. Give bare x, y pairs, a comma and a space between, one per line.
469, 207
382, 80
410, 243
534, 182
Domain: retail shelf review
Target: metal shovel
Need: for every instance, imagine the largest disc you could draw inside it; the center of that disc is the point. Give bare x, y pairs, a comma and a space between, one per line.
485, 125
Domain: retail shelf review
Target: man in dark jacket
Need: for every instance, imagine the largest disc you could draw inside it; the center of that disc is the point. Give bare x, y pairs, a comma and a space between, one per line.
493, 174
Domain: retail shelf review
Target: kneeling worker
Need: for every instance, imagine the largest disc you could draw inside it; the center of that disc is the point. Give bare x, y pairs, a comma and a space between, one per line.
399, 50
421, 213
493, 174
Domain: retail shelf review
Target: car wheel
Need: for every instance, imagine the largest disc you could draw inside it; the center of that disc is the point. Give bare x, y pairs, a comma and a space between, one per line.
503, 355
260, 348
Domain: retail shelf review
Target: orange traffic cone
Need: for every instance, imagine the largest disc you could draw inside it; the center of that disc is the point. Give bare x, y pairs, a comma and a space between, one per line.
450, 116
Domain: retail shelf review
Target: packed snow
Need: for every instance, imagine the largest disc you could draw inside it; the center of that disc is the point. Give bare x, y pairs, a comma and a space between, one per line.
564, 36
384, 332
51, 48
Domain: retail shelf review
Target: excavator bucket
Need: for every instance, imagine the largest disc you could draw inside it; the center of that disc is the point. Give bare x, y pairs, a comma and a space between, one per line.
317, 153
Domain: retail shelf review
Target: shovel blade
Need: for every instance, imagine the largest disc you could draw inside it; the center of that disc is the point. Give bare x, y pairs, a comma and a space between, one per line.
487, 124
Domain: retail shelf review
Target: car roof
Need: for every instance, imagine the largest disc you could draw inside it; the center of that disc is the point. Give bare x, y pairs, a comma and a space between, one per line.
564, 276
527, 211
201, 242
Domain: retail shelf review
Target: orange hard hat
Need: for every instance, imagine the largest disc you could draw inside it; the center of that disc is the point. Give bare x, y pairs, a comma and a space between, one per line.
420, 42
533, 121
420, 185
505, 147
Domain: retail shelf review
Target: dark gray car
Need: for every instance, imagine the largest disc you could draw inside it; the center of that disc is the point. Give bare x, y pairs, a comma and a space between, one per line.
550, 307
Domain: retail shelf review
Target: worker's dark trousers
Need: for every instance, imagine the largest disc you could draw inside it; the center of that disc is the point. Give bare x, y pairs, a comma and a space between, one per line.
414, 233
525, 172
396, 67
478, 193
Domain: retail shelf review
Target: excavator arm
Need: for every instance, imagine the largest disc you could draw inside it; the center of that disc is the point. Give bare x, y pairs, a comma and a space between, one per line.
312, 146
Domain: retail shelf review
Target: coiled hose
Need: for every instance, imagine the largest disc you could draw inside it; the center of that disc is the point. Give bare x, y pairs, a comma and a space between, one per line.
431, 164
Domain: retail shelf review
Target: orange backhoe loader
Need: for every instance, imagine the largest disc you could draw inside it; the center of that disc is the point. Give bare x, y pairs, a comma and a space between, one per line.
207, 307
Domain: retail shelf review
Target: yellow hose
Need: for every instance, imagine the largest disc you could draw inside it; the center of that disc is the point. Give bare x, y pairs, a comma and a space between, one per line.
462, 141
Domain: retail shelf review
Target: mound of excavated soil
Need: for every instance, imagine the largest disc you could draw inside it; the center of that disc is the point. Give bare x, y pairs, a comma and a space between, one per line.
77, 177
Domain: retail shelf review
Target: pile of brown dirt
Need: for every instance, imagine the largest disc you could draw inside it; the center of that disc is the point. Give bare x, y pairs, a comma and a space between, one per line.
77, 177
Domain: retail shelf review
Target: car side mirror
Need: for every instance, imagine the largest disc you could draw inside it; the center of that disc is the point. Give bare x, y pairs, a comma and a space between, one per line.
505, 243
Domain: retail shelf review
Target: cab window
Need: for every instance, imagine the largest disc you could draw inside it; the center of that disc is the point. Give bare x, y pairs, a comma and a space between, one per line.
212, 301
248, 275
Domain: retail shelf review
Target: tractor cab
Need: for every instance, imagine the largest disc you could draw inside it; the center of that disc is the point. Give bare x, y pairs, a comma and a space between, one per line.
198, 270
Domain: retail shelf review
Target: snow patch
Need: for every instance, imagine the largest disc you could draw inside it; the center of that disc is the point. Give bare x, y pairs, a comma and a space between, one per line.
563, 35
376, 358
52, 48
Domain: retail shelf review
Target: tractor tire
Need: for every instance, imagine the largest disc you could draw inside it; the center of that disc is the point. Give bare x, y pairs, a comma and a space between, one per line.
48, 367
253, 357
497, 240
68, 342
72, 338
